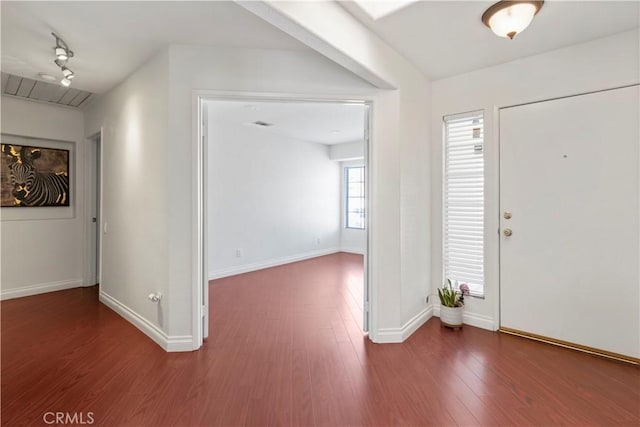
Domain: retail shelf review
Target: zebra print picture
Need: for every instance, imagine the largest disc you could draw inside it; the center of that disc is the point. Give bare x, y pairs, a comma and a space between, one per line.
34, 176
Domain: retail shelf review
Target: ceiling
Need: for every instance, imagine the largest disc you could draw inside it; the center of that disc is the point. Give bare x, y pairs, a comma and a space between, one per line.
442, 38
319, 122
111, 39
445, 38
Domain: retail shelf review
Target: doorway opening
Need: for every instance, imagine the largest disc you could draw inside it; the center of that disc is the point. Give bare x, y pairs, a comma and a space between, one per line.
285, 187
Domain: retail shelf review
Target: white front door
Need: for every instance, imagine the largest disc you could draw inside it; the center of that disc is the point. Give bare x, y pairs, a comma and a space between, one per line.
569, 180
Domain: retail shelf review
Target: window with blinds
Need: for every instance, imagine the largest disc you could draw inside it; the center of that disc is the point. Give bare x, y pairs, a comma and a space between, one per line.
463, 216
354, 206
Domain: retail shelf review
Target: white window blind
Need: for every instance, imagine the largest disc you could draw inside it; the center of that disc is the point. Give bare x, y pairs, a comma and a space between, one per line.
464, 200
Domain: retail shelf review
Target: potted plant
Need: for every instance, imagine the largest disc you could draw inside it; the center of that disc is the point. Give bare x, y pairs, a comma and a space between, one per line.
452, 304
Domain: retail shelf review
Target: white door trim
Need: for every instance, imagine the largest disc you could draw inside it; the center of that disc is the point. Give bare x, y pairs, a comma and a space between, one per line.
199, 201
88, 256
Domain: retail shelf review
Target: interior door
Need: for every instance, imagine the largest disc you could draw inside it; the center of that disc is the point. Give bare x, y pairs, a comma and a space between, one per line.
569, 193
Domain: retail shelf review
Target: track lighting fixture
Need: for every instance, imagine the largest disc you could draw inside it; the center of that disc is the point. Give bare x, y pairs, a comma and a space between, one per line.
63, 53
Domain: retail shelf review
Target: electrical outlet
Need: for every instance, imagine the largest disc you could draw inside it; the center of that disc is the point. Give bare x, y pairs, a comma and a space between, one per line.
238, 253
317, 240
427, 299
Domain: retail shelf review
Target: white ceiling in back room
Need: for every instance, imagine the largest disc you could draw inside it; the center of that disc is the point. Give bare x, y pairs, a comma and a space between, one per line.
318, 122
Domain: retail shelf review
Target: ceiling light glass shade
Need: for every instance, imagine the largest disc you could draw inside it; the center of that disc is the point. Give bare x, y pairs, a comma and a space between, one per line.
65, 82
47, 77
67, 73
508, 18
61, 54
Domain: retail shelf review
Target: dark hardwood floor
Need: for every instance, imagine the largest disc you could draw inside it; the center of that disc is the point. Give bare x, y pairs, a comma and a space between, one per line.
285, 348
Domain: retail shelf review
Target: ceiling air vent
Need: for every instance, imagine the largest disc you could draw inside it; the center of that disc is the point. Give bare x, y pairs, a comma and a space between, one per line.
261, 123
37, 90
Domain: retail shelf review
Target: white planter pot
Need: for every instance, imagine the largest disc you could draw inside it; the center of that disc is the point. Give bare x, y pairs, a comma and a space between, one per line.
451, 316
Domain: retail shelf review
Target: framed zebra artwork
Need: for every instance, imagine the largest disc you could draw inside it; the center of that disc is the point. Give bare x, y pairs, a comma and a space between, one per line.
34, 176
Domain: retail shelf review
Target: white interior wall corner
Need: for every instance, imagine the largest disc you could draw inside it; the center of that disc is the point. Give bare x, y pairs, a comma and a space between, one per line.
136, 155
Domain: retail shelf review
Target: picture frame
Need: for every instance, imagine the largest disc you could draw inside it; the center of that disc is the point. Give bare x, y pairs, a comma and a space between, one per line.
34, 176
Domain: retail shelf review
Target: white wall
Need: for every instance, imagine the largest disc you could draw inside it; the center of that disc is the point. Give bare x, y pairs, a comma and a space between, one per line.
351, 239
274, 198
601, 64
42, 247
136, 171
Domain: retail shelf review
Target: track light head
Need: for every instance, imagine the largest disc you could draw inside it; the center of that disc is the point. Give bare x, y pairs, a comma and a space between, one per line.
62, 54
62, 50
67, 73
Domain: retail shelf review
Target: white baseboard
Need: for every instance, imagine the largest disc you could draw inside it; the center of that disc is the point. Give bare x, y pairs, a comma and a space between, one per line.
40, 288
232, 271
398, 335
352, 250
168, 343
179, 343
472, 319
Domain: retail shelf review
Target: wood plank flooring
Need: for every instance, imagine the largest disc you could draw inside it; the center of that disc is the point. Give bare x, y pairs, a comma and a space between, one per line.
286, 349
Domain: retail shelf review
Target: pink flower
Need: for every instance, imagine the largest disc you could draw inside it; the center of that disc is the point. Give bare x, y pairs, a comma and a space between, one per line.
464, 288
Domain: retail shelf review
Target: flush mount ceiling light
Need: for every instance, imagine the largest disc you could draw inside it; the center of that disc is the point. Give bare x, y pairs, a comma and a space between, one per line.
47, 77
508, 18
